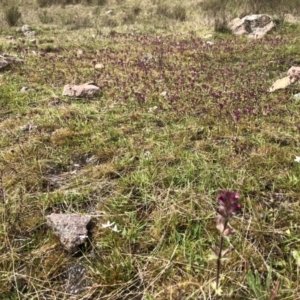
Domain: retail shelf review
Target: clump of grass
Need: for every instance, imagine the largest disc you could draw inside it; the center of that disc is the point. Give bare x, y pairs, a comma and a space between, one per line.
45, 3
45, 17
177, 12
12, 15
131, 15
101, 2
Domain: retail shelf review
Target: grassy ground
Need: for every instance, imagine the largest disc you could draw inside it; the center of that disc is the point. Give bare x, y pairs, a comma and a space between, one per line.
177, 121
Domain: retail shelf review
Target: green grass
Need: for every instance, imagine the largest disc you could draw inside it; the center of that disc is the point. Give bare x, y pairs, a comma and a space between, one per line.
154, 165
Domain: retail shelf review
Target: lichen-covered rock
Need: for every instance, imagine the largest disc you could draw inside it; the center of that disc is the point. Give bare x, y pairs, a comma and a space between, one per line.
71, 229
254, 26
294, 72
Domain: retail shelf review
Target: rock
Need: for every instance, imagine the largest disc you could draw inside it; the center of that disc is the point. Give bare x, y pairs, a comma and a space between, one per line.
99, 66
70, 228
28, 127
254, 26
164, 94
296, 96
294, 72
280, 84
3, 64
25, 28
82, 90
293, 76
152, 109
79, 53
26, 89
147, 58
6, 60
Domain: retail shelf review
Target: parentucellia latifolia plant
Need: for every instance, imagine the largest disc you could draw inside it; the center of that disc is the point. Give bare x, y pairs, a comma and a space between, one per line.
228, 206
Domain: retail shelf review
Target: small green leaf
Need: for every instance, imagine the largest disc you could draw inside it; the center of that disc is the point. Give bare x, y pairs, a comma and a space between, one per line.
296, 256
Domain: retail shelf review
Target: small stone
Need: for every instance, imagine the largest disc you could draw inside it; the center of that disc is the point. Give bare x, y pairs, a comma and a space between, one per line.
26, 89
164, 94
3, 64
25, 28
147, 58
296, 96
152, 109
82, 90
79, 53
71, 229
28, 127
99, 66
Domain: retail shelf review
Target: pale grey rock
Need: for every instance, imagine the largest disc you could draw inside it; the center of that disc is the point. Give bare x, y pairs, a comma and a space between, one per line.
25, 28
293, 76
147, 58
164, 94
3, 63
79, 53
296, 96
280, 84
28, 127
6, 60
99, 66
71, 229
254, 26
82, 90
26, 89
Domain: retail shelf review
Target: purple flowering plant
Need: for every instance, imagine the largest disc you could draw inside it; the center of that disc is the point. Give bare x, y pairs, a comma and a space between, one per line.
228, 206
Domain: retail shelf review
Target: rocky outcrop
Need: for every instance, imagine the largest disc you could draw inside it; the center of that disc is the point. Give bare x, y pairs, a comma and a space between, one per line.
254, 26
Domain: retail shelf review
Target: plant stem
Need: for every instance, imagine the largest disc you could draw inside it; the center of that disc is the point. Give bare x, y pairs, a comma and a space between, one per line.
220, 254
